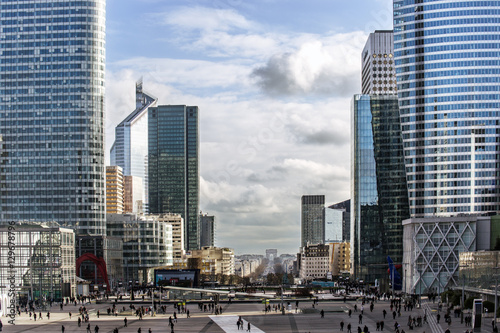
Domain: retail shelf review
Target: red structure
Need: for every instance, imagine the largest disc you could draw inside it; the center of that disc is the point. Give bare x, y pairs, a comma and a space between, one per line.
100, 264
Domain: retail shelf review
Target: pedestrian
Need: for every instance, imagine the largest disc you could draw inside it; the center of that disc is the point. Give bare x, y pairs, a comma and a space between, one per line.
63, 328
322, 314
438, 317
349, 328
249, 327
360, 319
98, 313
125, 321
139, 330
48, 315
34, 316
149, 331
342, 325
350, 312
384, 313
96, 329
88, 329
40, 316
79, 322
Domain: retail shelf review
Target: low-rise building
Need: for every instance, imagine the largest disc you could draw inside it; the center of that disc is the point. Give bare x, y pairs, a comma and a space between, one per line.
43, 259
214, 260
315, 262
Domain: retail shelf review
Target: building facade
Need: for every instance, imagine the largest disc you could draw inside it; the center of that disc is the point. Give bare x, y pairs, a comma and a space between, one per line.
177, 223
345, 206
446, 55
379, 201
312, 219
315, 262
114, 190
174, 166
334, 219
146, 243
44, 261
378, 71
52, 113
133, 195
340, 259
130, 149
432, 247
214, 260
207, 230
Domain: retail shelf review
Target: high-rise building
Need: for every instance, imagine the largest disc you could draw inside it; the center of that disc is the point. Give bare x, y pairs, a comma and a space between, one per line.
114, 190
130, 148
207, 230
379, 201
446, 55
133, 195
312, 219
333, 225
378, 71
345, 206
173, 156
177, 223
52, 113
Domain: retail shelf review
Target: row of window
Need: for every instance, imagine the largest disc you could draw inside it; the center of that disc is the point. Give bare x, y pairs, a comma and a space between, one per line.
444, 99
447, 64
450, 107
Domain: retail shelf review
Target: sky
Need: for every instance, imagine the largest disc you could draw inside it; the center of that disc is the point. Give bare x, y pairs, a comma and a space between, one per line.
273, 80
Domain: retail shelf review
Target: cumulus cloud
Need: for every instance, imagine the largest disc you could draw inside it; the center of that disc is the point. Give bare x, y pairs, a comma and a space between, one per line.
323, 67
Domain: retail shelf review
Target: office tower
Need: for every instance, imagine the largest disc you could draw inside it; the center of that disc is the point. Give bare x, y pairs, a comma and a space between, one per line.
133, 195
333, 225
379, 201
312, 220
173, 166
378, 71
207, 230
130, 148
52, 113
114, 190
345, 206
446, 55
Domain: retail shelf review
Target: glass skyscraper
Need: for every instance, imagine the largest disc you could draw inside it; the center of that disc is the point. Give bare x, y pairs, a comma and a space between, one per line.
312, 220
173, 156
130, 149
52, 57
447, 56
379, 200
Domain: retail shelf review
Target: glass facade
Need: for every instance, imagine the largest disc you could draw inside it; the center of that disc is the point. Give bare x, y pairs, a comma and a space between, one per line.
44, 262
130, 149
312, 220
52, 57
333, 225
447, 66
379, 201
173, 157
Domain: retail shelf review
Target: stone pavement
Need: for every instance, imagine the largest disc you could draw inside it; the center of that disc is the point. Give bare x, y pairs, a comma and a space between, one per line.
307, 319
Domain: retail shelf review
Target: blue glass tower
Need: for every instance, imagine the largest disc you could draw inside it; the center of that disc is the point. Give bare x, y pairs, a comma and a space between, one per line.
379, 200
52, 57
447, 57
173, 156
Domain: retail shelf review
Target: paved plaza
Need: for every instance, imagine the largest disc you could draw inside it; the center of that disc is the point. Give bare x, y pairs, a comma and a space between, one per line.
306, 319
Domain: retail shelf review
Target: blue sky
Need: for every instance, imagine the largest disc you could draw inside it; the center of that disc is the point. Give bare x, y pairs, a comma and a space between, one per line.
273, 80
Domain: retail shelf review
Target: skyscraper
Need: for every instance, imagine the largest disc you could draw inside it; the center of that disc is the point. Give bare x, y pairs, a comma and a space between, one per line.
378, 75
52, 112
312, 220
379, 201
207, 230
446, 55
173, 166
130, 148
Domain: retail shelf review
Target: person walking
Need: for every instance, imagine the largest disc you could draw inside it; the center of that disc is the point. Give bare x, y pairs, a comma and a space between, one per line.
349, 328
96, 329
342, 325
125, 321
322, 314
360, 319
63, 328
249, 327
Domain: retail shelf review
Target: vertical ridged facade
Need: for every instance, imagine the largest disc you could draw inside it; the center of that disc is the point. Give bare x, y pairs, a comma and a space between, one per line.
52, 64
447, 56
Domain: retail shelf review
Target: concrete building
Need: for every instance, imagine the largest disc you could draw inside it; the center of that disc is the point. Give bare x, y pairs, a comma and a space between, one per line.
315, 262
340, 260
147, 243
312, 219
379, 197
173, 162
44, 260
52, 111
207, 230
214, 260
130, 149
378, 71
449, 101
177, 223
114, 190
133, 195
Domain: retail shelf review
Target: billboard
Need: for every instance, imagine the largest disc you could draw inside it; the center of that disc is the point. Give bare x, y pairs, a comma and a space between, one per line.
177, 277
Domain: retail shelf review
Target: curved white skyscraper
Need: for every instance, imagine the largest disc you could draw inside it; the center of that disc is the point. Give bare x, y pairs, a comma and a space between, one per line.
447, 56
52, 58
